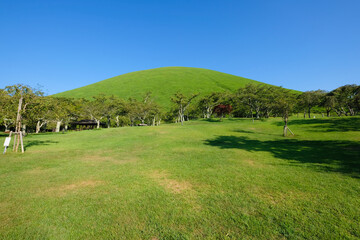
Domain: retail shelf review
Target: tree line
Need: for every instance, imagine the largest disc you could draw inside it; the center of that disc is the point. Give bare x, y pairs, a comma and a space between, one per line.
41, 113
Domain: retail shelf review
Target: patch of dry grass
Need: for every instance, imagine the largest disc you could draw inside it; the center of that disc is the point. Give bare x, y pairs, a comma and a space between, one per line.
65, 189
172, 185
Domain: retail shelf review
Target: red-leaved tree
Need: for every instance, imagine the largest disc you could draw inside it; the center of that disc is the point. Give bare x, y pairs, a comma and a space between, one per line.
222, 110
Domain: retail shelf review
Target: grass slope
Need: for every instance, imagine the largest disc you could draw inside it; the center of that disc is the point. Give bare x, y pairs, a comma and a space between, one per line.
162, 82
216, 180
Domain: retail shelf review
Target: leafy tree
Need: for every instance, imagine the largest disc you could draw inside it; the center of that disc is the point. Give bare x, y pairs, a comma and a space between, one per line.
182, 102
7, 110
95, 109
62, 111
248, 95
258, 99
111, 106
346, 99
222, 110
268, 96
285, 104
120, 112
310, 99
208, 103
329, 103
145, 111
40, 112
20, 97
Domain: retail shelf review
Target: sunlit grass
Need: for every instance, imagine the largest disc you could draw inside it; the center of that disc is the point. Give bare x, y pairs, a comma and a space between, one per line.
232, 179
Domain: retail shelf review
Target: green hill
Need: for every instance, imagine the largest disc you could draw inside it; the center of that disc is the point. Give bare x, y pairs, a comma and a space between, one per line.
163, 83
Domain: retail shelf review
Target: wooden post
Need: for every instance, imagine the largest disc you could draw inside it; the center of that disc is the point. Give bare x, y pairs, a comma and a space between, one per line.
22, 143
18, 140
14, 146
290, 130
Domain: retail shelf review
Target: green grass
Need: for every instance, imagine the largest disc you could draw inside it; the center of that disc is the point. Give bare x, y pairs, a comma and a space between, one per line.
163, 83
215, 180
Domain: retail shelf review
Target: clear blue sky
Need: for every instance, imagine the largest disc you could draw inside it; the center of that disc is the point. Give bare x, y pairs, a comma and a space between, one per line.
64, 44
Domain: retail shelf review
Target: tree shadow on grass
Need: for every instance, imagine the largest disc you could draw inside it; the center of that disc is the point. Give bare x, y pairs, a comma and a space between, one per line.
253, 132
243, 131
29, 144
337, 156
211, 120
342, 124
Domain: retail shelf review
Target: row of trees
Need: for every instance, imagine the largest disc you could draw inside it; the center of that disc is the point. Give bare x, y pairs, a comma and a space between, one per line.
262, 101
38, 111
253, 101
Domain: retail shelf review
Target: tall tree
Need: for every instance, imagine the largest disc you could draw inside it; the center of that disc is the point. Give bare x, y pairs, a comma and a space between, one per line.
346, 99
208, 103
328, 102
310, 99
253, 96
21, 96
285, 103
7, 110
181, 103
96, 109
40, 112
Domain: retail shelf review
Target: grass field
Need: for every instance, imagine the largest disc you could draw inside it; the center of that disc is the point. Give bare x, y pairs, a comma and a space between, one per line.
217, 180
163, 83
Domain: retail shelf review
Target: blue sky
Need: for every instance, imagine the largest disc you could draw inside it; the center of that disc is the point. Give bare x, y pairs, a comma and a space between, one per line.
61, 45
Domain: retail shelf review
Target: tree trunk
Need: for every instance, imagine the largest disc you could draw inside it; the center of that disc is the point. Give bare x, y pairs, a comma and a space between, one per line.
58, 124
309, 113
285, 127
257, 113
108, 122
37, 127
338, 112
66, 127
97, 124
117, 121
24, 129
208, 112
352, 113
181, 116
304, 113
328, 113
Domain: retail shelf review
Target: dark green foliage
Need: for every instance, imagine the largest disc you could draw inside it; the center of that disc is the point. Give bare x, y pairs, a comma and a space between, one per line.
309, 99
346, 100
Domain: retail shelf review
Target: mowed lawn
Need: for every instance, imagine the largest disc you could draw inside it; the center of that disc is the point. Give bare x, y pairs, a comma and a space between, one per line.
235, 179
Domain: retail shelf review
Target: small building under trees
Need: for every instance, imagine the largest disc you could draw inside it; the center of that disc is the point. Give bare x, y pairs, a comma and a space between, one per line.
84, 125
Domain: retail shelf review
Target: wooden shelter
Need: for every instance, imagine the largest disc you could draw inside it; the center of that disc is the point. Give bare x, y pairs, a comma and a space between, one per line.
85, 124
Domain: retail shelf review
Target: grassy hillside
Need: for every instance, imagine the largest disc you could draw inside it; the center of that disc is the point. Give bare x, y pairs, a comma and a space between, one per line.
163, 83
206, 180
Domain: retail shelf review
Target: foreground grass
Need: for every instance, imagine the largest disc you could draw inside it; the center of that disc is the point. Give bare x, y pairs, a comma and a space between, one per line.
230, 180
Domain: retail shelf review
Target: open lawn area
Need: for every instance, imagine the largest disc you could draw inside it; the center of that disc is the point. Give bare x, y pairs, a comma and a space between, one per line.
235, 179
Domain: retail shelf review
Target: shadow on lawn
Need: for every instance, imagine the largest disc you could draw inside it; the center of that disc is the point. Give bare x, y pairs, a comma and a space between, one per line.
211, 120
337, 156
29, 144
342, 124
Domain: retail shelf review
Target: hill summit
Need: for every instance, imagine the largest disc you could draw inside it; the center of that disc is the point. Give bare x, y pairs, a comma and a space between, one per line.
162, 83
